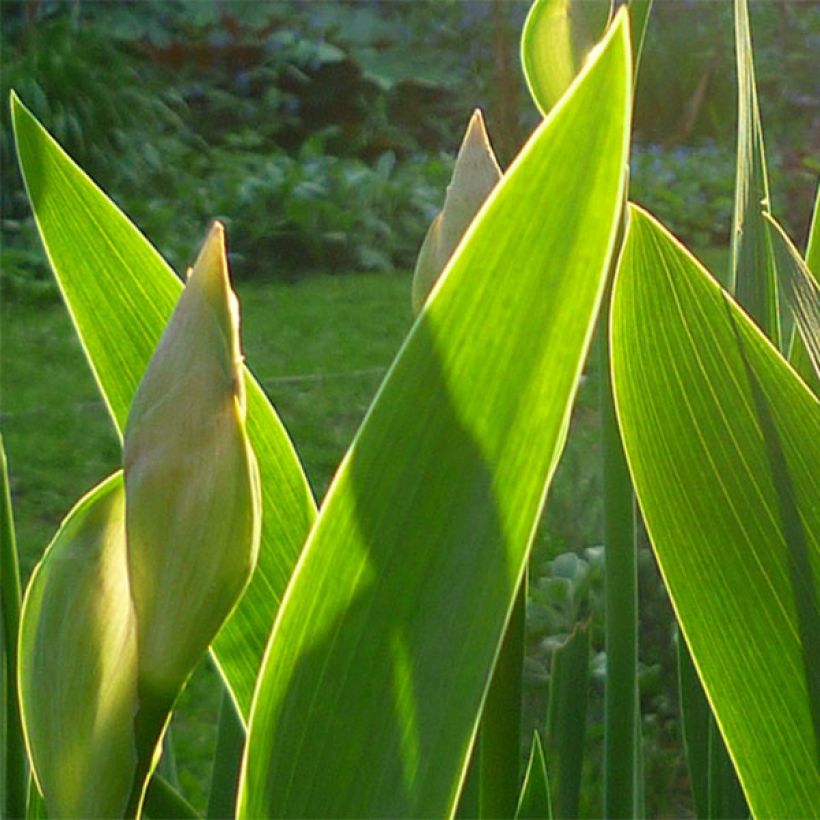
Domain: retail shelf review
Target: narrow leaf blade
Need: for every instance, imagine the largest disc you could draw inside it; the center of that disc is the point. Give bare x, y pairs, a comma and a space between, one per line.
803, 294
14, 777
753, 271
383, 649
723, 442
534, 802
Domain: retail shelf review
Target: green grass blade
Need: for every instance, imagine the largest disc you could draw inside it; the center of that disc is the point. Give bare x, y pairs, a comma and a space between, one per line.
499, 737
723, 442
382, 652
78, 662
120, 294
567, 718
534, 802
230, 742
14, 777
753, 273
695, 717
557, 37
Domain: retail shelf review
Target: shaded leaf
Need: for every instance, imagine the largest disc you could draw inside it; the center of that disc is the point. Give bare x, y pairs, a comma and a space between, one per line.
567, 718
383, 650
14, 775
753, 274
803, 294
534, 802
723, 443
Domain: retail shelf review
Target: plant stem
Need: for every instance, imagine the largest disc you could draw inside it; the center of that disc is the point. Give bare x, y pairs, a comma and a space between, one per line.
621, 604
16, 767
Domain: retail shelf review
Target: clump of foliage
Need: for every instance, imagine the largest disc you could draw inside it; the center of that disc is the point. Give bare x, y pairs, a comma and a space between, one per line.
372, 650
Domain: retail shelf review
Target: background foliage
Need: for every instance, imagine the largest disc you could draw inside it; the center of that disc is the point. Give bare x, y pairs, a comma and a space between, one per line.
292, 121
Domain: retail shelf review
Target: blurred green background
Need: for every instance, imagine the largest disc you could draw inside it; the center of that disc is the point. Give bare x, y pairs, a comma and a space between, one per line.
322, 134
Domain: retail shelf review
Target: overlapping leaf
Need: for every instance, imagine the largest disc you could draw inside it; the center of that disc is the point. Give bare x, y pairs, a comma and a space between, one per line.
723, 443
557, 36
78, 662
120, 294
753, 271
389, 630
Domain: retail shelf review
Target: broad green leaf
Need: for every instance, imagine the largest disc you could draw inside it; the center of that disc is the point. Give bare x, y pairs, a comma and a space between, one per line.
753, 273
120, 294
14, 773
567, 718
383, 649
475, 174
723, 443
803, 295
534, 802
557, 37
78, 662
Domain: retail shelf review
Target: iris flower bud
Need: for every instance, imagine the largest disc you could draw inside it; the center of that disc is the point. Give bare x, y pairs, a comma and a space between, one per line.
475, 174
191, 482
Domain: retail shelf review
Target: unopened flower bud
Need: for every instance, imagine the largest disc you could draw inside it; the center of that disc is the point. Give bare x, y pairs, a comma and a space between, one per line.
191, 480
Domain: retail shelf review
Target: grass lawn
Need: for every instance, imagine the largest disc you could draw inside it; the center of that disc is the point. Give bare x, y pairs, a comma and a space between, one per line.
320, 348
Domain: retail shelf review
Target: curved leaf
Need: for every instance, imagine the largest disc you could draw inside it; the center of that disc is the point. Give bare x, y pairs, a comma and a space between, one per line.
723, 443
557, 37
753, 273
78, 662
383, 649
120, 294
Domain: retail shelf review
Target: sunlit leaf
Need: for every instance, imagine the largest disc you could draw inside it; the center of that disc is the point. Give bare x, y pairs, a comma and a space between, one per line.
120, 294
723, 443
391, 625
